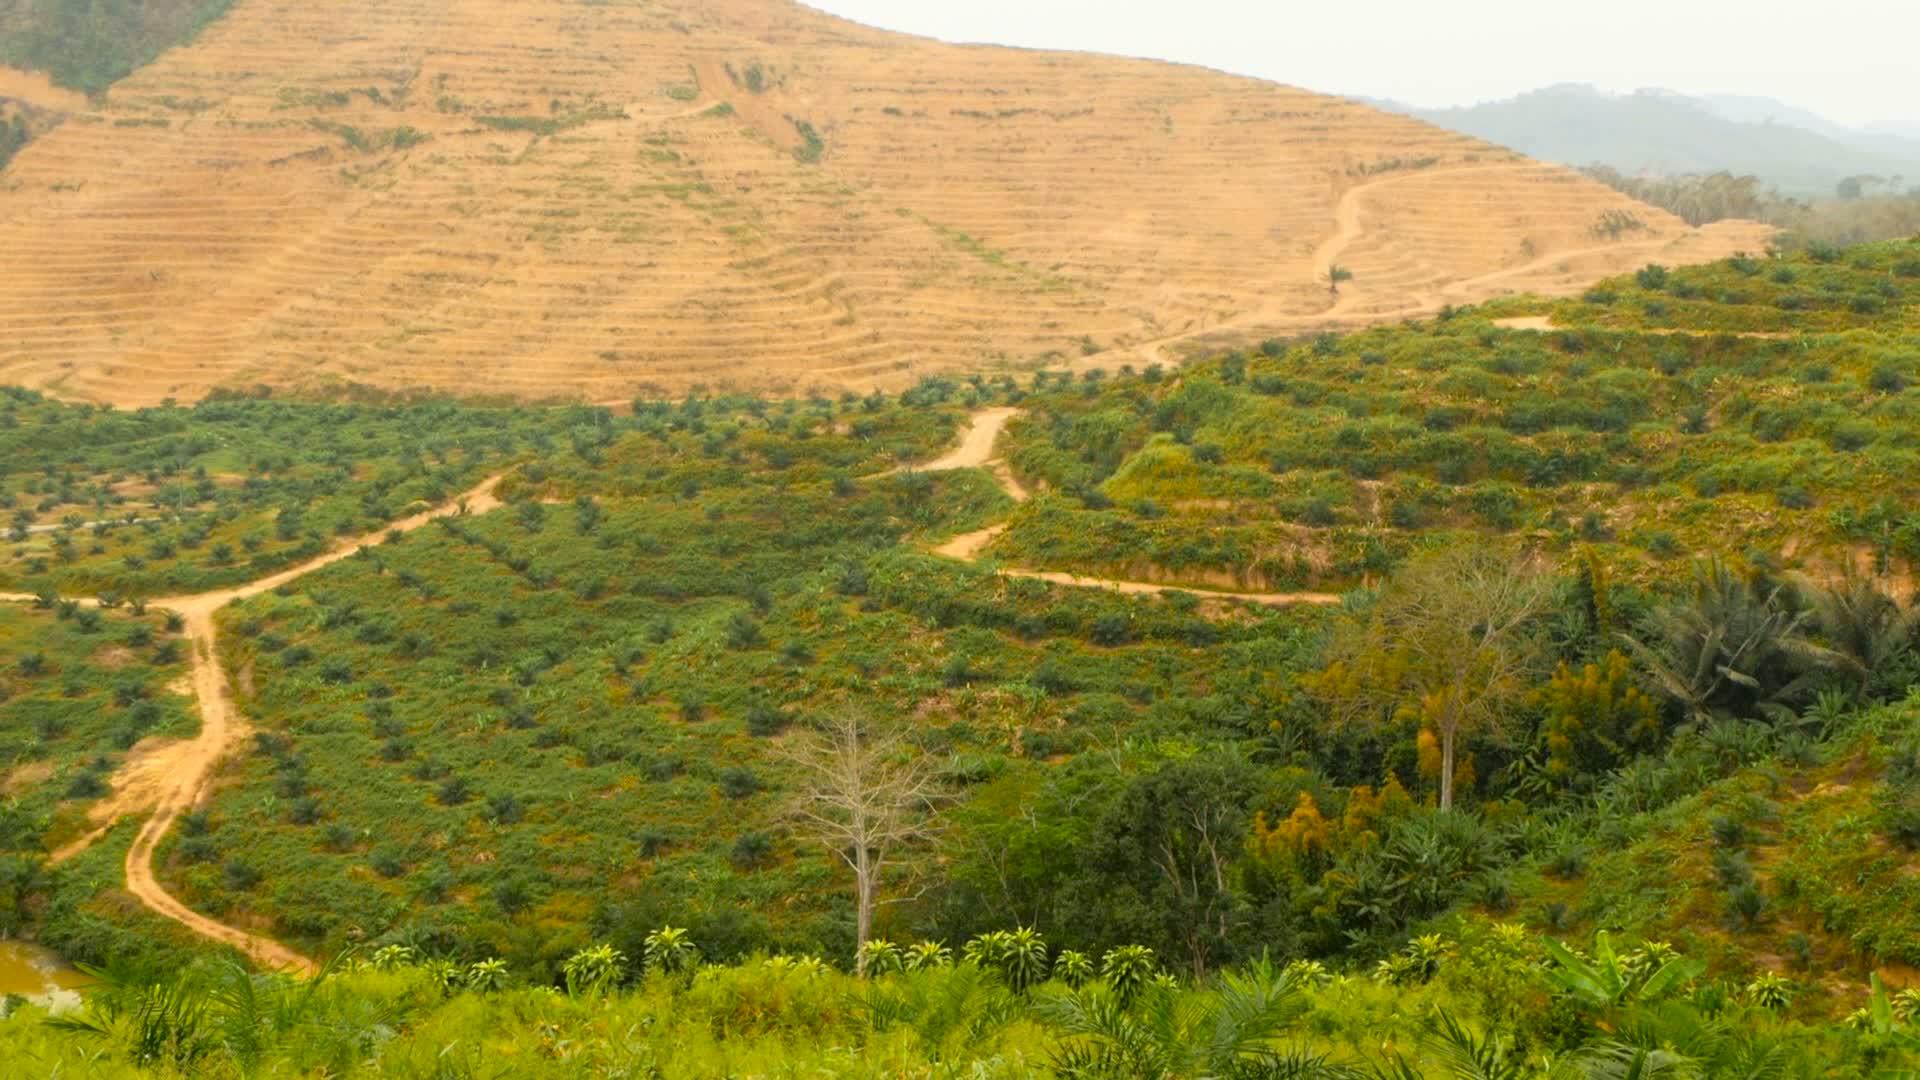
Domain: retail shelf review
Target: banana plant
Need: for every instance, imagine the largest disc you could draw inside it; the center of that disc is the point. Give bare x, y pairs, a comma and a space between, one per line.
1885, 1028
1609, 980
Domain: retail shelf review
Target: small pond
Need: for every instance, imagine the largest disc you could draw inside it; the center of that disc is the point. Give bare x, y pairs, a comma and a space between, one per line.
38, 974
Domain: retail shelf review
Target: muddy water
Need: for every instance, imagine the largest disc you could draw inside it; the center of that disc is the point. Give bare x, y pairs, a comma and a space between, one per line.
38, 974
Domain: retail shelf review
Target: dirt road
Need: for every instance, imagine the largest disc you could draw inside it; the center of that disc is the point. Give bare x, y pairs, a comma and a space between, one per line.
976, 452
976, 446
172, 778
1340, 314
1545, 323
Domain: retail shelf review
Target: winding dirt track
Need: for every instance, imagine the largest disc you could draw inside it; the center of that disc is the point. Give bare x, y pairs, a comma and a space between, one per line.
1545, 323
976, 452
171, 780
1342, 313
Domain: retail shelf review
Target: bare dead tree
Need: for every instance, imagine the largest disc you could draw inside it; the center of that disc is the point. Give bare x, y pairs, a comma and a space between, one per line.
866, 793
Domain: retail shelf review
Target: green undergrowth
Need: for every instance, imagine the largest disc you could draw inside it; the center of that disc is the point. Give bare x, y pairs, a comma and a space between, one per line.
510, 731
82, 910
1489, 1002
1871, 288
79, 689
1325, 462
1802, 866
1573, 685
170, 501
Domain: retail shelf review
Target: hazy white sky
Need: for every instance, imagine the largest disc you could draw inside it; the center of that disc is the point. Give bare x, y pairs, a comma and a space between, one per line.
1851, 60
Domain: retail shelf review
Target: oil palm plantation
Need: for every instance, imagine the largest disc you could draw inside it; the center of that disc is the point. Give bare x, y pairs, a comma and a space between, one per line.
1868, 626
1234, 1032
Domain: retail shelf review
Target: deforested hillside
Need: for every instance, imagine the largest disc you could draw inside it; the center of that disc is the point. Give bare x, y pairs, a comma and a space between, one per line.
548, 199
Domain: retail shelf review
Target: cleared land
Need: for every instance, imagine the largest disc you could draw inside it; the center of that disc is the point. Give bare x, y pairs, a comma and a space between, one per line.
547, 199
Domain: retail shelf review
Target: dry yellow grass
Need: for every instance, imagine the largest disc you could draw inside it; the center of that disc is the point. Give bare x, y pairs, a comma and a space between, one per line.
242, 211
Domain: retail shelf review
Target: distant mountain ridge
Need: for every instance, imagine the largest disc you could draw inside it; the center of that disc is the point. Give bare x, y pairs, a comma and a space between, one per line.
1661, 133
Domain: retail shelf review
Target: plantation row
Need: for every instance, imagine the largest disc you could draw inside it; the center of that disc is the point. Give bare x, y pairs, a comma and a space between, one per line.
1488, 1001
79, 687
1325, 462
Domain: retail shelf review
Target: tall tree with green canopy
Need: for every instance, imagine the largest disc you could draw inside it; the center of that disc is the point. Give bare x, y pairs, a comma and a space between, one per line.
1163, 854
1453, 642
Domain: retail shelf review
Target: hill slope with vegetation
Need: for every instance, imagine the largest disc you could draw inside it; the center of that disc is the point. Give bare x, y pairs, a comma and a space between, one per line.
1603, 764
88, 45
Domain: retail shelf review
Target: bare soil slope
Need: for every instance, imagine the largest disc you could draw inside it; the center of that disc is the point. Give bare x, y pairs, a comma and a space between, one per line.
545, 198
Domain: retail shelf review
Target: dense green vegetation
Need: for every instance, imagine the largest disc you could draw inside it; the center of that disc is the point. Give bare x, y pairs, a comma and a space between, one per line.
1854, 214
1626, 662
13, 134
91, 44
533, 704
1322, 463
1490, 1001
169, 501
79, 687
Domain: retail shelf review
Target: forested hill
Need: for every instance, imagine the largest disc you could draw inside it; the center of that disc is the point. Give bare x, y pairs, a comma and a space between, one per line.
1655, 133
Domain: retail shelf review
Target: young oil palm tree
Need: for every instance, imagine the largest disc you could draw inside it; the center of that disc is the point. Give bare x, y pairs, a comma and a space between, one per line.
1232, 1030
1859, 620
1734, 645
1467, 1056
1613, 1060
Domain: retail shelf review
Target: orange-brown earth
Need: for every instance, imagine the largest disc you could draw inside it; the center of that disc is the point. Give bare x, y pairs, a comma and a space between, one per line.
623, 197
976, 451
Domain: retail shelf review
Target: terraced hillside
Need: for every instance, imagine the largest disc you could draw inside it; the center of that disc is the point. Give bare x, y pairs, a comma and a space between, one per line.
30, 106
546, 198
